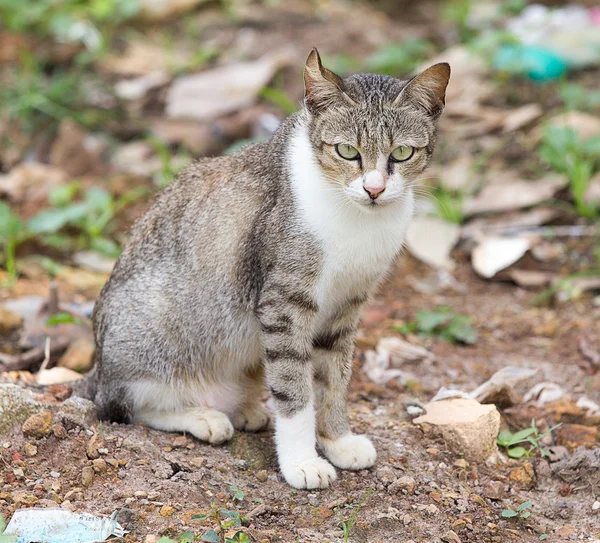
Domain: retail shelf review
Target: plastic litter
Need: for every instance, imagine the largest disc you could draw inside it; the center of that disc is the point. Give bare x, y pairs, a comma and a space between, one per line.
62, 526
550, 41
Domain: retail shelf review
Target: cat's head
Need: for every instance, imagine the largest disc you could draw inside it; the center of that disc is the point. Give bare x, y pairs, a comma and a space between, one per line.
373, 135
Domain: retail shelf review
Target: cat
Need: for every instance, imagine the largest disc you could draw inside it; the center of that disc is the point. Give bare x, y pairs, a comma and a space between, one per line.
251, 270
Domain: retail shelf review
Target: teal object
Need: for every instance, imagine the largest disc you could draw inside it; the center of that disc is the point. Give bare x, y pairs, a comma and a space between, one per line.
537, 63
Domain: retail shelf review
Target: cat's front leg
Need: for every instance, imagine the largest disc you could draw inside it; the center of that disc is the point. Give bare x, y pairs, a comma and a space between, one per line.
333, 360
287, 318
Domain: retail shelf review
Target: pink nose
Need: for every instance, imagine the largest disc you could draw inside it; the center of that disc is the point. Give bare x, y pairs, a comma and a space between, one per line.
374, 190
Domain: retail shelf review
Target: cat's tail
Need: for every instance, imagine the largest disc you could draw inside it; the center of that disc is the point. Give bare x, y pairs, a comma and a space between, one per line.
86, 387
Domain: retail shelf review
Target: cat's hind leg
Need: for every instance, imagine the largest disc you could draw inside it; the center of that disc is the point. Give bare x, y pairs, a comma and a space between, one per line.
204, 423
252, 415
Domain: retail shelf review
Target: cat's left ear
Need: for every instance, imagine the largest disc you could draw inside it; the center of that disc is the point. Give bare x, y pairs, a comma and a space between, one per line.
428, 89
322, 88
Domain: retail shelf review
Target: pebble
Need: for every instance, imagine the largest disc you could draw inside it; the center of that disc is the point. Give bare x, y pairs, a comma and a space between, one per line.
404, 484
140, 494
596, 505
153, 496
54, 474
524, 476
7, 445
450, 537
38, 425
87, 476
99, 465
59, 431
30, 450
167, 510
262, 475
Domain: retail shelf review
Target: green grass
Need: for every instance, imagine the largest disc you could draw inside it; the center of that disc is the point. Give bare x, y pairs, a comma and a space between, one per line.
564, 151
449, 206
441, 323
347, 524
522, 512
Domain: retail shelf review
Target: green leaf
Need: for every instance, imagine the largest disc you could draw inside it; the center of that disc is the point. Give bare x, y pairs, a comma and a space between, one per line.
522, 435
509, 513
525, 514
461, 330
186, 537
543, 537
62, 195
199, 517
239, 537
61, 318
428, 321
517, 452
166, 540
105, 246
525, 505
99, 199
504, 438
210, 536
52, 220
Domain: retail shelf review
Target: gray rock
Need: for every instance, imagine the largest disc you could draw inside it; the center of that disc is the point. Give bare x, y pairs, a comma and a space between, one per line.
18, 404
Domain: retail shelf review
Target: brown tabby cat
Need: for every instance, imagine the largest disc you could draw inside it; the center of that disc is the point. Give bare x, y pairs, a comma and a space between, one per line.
253, 268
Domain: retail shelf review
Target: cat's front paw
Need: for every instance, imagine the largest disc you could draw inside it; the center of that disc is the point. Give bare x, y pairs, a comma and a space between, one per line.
312, 473
251, 418
349, 451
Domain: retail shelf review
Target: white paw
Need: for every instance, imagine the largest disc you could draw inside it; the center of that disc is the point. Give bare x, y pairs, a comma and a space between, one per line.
212, 426
312, 473
251, 418
349, 451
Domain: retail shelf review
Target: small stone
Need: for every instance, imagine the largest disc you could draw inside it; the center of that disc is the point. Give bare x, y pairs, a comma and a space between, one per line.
9, 321
38, 425
262, 475
18, 473
54, 474
432, 510
167, 510
30, 450
6, 445
386, 475
494, 490
103, 451
197, 462
87, 476
566, 531
557, 453
21, 497
466, 425
406, 484
433, 451
99, 465
461, 463
140, 494
576, 435
524, 476
153, 496
459, 524
450, 537
596, 505
180, 442
59, 431
79, 355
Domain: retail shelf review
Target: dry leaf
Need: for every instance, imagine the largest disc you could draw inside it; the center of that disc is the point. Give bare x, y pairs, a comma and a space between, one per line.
458, 175
521, 117
221, 90
586, 125
133, 89
495, 254
513, 195
31, 181
56, 376
531, 278
431, 239
499, 224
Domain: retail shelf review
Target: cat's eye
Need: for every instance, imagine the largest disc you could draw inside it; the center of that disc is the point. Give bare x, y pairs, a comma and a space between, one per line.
347, 151
402, 153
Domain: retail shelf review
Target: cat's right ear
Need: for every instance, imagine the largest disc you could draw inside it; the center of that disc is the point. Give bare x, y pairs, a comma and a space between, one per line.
322, 88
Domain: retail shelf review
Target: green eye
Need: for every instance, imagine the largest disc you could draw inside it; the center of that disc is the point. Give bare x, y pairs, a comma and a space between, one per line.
402, 153
347, 151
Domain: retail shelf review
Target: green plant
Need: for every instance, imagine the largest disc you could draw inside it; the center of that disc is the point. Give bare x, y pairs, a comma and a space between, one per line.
442, 323
348, 524
5, 538
225, 519
93, 217
522, 511
564, 151
279, 98
237, 493
12, 233
400, 58
61, 318
449, 205
458, 12
69, 21
512, 442
576, 97
171, 162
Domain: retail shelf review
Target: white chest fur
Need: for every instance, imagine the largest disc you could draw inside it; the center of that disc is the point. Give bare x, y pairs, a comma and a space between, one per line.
359, 244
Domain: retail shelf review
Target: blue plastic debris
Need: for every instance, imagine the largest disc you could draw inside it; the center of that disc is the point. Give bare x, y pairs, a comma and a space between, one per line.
61, 526
537, 63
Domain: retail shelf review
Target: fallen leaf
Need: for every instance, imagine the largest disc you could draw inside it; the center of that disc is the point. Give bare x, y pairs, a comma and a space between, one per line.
137, 158
431, 240
521, 117
56, 376
544, 393
531, 278
142, 57
503, 380
94, 261
400, 351
498, 225
513, 195
133, 89
457, 175
495, 254
222, 90
31, 181
74, 150
586, 125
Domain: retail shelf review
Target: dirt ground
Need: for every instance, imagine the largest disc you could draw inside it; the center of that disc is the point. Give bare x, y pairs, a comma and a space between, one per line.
421, 490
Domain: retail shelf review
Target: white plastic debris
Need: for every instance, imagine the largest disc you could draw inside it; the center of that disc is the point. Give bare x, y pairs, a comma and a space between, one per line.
377, 366
62, 526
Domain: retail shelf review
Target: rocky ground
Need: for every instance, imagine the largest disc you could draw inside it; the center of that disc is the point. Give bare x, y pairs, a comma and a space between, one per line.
495, 300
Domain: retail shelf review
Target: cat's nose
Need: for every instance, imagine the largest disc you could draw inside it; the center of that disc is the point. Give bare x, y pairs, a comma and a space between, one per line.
374, 191
374, 184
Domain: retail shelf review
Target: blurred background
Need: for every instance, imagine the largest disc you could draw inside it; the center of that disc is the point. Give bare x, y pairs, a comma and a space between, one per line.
102, 102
